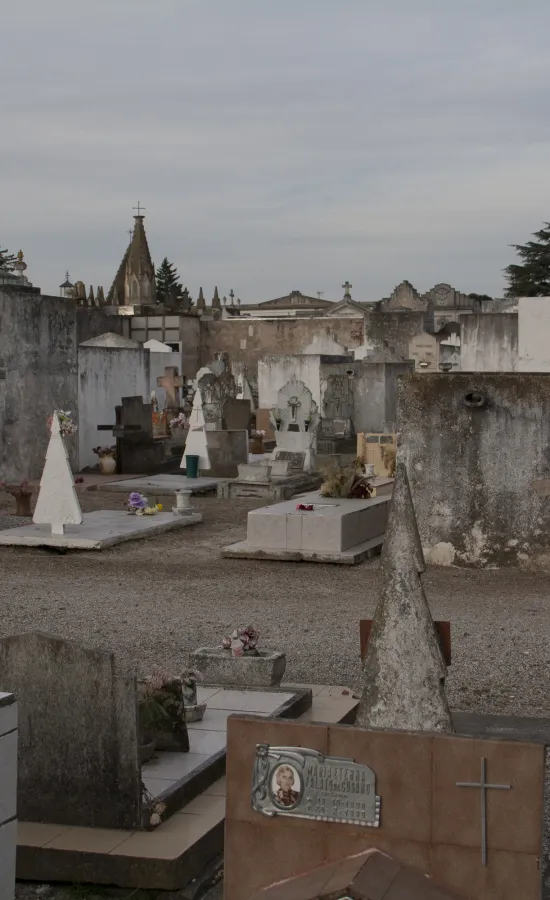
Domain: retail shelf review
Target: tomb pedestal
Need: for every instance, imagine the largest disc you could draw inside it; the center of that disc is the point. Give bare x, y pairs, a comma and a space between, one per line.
336, 530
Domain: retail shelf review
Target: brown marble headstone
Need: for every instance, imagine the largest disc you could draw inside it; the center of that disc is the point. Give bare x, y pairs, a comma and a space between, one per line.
427, 820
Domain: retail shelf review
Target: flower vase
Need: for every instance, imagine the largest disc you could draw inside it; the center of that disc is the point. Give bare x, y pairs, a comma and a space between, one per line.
257, 445
107, 465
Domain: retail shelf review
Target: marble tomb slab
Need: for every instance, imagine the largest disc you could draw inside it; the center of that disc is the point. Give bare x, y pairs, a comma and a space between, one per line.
163, 484
99, 529
337, 530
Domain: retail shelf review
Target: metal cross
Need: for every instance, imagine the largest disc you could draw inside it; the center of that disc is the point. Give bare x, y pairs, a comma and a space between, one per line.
130, 232
484, 788
139, 208
347, 287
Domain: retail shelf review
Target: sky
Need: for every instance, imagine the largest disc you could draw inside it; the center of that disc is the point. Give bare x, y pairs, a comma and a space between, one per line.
276, 145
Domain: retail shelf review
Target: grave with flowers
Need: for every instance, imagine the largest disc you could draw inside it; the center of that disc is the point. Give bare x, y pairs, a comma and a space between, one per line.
58, 520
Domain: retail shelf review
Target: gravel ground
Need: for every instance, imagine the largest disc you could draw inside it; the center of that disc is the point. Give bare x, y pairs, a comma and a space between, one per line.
154, 600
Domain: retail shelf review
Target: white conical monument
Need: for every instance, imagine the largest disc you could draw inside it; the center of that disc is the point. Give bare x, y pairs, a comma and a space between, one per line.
196, 437
404, 671
57, 503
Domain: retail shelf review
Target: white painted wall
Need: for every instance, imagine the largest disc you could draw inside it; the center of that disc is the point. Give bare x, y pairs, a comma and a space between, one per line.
534, 334
105, 376
324, 345
8, 794
489, 342
275, 371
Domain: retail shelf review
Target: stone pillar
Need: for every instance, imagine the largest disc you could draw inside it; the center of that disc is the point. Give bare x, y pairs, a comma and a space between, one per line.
8, 795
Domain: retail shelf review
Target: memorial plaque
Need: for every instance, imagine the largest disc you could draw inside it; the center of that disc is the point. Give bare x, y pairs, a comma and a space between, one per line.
296, 460
294, 781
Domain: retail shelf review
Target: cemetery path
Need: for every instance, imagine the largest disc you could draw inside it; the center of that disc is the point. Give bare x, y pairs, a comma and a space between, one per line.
152, 601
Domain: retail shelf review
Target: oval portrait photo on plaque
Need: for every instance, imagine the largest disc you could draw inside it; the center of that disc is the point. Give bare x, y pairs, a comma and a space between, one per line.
286, 786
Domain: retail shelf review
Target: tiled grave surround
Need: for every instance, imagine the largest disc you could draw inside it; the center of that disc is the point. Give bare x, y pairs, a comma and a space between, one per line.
426, 820
175, 852
8, 794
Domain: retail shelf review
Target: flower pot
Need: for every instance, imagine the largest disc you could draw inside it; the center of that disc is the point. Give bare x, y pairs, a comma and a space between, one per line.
146, 749
107, 465
216, 666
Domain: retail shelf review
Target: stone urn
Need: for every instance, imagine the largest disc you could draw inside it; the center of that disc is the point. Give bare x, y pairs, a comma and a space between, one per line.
216, 666
107, 465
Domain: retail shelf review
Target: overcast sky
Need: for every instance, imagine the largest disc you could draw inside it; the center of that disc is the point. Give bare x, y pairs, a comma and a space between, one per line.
276, 144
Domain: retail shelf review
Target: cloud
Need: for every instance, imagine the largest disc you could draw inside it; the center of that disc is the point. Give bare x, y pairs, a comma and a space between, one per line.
276, 146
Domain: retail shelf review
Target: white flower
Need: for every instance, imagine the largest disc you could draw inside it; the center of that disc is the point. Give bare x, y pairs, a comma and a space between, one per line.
155, 819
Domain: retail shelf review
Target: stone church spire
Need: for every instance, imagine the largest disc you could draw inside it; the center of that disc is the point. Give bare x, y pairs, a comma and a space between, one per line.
134, 283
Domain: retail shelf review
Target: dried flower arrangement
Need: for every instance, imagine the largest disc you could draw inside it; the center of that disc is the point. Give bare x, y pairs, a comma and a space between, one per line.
346, 481
242, 642
104, 451
180, 421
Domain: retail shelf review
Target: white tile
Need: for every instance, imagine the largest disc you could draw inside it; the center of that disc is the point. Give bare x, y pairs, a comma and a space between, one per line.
156, 786
208, 742
205, 693
172, 766
8, 718
214, 720
8, 776
8, 834
249, 701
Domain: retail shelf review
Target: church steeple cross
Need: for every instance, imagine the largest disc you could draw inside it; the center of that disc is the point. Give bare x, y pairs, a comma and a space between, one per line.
140, 209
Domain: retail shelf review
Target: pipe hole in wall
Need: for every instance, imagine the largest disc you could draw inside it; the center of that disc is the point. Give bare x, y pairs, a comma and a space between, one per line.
350, 373
475, 399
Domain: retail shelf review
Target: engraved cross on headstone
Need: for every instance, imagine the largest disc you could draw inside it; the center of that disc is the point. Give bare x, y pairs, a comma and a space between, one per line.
171, 381
484, 788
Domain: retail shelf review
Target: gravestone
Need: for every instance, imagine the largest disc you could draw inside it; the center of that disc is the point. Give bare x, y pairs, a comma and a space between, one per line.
467, 811
57, 503
236, 414
216, 387
295, 420
137, 451
171, 381
78, 733
195, 444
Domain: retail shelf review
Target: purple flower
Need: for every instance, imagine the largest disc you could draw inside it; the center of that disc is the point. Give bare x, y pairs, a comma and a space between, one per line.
137, 500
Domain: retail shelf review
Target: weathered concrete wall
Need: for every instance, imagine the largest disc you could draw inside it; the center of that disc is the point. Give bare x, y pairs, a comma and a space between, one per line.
105, 376
191, 334
91, 322
38, 373
376, 394
249, 340
480, 476
275, 371
392, 332
534, 334
489, 342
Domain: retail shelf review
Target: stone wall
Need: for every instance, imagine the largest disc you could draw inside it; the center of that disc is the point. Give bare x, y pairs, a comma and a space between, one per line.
38, 373
248, 340
489, 342
392, 332
480, 475
375, 394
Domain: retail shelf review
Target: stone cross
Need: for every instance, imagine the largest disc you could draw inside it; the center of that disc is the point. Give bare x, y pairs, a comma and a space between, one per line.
484, 786
347, 287
140, 209
171, 381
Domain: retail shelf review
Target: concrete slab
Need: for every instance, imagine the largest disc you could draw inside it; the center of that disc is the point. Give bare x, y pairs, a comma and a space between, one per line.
357, 554
164, 484
99, 529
